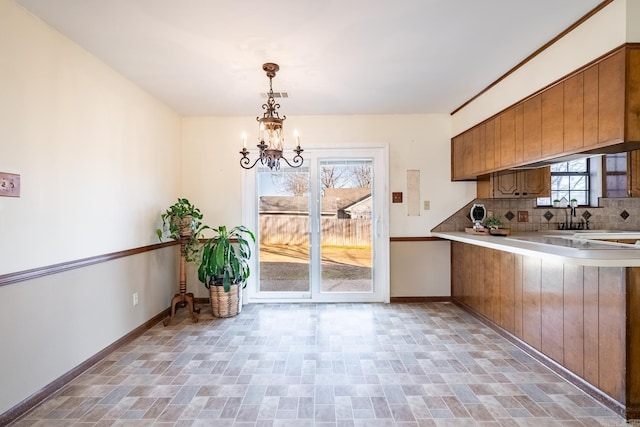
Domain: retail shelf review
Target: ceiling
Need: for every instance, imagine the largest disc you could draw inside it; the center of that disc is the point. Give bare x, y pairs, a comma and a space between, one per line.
204, 57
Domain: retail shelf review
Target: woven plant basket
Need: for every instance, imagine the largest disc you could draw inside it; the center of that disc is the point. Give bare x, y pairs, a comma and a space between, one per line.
225, 304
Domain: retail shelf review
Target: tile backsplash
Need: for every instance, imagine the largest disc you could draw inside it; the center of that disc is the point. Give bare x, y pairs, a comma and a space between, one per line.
612, 214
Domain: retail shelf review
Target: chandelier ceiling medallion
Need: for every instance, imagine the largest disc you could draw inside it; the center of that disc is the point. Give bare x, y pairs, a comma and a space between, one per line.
270, 133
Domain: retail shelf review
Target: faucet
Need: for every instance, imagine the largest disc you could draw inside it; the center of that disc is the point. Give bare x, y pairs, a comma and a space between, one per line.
573, 215
569, 222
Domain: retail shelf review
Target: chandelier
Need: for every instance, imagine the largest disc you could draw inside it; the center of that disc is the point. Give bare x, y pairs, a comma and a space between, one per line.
270, 133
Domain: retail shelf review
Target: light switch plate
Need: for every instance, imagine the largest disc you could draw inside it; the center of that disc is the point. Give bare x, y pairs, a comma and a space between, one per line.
396, 197
9, 184
523, 216
427, 205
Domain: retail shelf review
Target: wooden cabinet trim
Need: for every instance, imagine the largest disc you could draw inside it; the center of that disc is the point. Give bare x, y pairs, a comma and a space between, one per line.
514, 136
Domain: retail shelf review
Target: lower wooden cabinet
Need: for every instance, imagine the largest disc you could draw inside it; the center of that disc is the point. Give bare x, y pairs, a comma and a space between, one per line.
516, 184
585, 318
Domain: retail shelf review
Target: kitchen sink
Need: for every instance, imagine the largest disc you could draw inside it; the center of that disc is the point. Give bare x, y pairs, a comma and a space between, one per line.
572, 241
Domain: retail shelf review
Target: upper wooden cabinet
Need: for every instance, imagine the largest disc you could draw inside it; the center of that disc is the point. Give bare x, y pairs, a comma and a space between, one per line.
611, 90
515, 184
552, 124
594, 110
532, 128
573, 112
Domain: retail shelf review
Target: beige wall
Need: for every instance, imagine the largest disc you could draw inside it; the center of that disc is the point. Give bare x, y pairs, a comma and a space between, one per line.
633, 17
99, 159
213, 178
420, 269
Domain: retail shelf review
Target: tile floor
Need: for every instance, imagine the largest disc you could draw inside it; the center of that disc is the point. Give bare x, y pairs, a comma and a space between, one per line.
421, 364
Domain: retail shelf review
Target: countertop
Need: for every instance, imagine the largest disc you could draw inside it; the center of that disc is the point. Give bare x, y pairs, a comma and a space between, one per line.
561, 247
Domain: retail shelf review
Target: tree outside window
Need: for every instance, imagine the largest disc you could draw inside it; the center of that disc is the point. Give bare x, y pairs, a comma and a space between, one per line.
569, 180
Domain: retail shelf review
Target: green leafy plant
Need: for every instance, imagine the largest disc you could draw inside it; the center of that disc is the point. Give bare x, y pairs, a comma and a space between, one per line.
225, 257
183, 220
492, 222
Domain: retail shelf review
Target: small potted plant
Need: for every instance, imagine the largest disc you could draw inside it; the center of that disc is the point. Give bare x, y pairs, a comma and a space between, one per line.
556, 203
494, 226
182, 220
224, 268
492, 222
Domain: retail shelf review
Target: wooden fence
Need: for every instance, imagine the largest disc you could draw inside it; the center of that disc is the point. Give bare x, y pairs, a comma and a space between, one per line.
294, 230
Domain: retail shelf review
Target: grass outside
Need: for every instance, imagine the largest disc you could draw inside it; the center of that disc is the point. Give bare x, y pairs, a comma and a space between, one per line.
285, 268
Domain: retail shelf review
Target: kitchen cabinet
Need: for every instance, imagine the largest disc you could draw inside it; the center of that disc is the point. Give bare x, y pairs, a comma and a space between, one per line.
532, 128
519, 133
594, 110
552, 121
489, 145
457, 160
507, 138
582, 317
611, 95
590, 106
528, 183
467, 144
477, 142
573, 112
462, 153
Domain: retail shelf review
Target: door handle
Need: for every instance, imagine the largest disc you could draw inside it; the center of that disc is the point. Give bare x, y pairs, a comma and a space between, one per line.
378, 222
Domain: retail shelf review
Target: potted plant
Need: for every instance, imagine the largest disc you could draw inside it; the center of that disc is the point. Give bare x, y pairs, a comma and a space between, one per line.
494, 226
556, 203
224, 268
182, 221
492, 222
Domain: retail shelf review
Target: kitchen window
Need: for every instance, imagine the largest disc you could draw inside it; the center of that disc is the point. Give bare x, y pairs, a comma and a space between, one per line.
569, 180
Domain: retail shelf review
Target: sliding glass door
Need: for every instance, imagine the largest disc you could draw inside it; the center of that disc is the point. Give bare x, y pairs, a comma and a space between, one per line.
319, 226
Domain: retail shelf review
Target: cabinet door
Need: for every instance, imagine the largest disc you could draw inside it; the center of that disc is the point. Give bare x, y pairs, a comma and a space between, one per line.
519, 142
633, 94
611, 87
552, 120
508, 138
529, 183
497, 144
532, 128
457, 157
574, 112
506, 185
535, 182
590, 106
467, 167
477, 136
489, 145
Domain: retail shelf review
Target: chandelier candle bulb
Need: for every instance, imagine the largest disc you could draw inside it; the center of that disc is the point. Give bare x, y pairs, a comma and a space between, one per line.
244, 140
297, 135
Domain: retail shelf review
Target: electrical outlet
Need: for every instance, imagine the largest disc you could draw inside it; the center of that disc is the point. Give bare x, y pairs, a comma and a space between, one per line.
523, 216
427, 205
9, 184
396, 197
135, 299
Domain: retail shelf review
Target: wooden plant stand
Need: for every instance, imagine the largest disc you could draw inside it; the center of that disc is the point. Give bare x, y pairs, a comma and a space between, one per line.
183, 298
